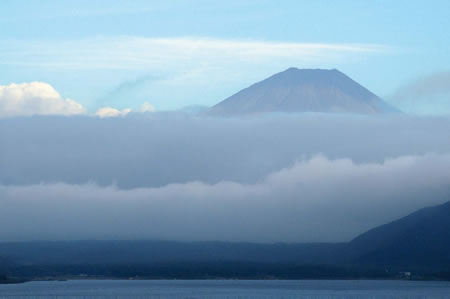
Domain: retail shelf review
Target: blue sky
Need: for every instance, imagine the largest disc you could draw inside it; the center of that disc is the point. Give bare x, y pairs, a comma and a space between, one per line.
181, 53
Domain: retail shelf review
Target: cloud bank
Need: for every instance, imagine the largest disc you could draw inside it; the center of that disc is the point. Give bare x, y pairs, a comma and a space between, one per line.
314, 200
301, 177
156, 149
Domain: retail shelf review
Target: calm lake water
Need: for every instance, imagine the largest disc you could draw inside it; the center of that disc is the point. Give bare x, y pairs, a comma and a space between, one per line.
231, 289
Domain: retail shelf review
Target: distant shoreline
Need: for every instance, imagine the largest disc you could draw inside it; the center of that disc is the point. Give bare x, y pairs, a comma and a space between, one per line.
13, 281
75, 278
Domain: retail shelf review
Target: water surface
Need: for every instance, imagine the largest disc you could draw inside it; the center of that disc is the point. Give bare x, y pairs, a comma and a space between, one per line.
231, 289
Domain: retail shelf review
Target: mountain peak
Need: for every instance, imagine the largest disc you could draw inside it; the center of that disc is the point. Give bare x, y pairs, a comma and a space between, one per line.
295, 69
303, 90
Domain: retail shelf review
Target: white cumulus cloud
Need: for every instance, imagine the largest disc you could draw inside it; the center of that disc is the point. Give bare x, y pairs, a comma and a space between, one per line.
111, 112
147, 107
35, 98
40, 98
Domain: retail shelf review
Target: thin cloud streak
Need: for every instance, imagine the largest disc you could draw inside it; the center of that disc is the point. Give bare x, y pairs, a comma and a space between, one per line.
142, 53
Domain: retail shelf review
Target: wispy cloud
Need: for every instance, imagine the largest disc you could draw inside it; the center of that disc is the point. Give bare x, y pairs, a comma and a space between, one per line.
142, 53
428, 95
125, 89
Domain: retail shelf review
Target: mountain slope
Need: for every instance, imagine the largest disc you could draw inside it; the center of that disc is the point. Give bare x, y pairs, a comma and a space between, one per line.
303, 90
419, 239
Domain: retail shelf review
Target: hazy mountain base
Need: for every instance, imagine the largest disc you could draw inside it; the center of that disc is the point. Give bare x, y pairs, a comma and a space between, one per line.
414, 247
217, 270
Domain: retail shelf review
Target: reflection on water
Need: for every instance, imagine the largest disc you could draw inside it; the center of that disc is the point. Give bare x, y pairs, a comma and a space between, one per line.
230, 289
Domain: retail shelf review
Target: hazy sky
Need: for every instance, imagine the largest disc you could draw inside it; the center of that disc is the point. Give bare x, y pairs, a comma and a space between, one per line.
96, 141
178, 53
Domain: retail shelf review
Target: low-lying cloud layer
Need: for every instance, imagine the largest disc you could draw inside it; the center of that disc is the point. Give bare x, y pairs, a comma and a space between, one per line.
314, 200
153, 150
300, 177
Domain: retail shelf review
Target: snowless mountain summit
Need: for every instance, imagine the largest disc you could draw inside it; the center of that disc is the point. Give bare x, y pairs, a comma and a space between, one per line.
303, 90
